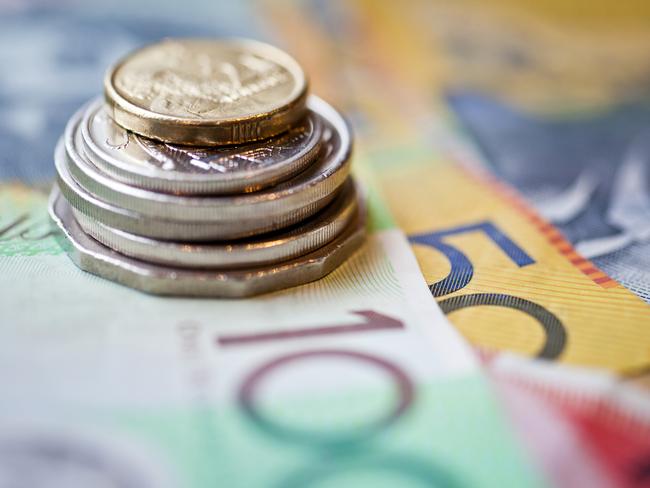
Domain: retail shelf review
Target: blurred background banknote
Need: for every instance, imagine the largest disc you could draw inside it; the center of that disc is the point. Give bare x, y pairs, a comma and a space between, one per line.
518, 167
507, 141
434, 85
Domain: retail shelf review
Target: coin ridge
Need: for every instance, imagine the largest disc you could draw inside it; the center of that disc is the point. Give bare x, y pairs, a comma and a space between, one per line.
170, 229
200, 131
269, 202
278, 246
93, 257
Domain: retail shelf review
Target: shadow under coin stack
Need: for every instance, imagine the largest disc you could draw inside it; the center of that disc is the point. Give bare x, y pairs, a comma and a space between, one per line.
207, 170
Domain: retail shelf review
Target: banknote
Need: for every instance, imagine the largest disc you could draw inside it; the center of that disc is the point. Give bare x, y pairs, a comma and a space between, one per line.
56, 59
499, 260
585, 428
506, 275
589, 176
568, 135
357, 378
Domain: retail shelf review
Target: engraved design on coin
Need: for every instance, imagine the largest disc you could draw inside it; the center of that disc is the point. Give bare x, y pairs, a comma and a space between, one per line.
198, 79
113, 143
209, 160
176, 215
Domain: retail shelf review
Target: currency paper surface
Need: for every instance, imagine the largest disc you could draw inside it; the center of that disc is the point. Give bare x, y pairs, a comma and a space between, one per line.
357, 377
526, 203
357, 380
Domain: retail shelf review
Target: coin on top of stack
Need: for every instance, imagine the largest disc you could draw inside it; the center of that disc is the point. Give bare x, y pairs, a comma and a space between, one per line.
206, 92
208, 171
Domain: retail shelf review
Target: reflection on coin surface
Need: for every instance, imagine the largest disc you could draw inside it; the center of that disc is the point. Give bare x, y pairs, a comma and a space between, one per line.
207, 92
220, 226
98, 259
276, 207
169, 168
272, 248
133, 222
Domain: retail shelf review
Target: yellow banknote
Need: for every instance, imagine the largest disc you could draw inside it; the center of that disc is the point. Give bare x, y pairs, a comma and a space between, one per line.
508, 279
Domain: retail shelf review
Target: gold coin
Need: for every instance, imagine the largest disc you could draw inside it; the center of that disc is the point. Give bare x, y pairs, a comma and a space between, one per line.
206, 92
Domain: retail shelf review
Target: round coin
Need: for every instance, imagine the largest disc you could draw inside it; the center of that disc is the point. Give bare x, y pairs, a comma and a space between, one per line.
272, 248
206, 92
91, 256
161, 228
285, 203
168, 168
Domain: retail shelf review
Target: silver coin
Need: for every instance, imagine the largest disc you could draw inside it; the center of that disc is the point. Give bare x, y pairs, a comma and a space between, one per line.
274, 247
171, 229
89, 255
169, 168
304, 193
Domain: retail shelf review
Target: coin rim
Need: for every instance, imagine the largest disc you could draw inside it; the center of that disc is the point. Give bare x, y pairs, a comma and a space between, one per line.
269, 202
214, 131
165, 228
199, 184
305, 237
162, 280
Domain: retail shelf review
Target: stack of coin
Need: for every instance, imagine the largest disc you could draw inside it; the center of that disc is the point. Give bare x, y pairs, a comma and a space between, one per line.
207, 170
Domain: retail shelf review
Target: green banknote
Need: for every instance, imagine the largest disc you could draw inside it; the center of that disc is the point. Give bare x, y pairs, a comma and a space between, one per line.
354, 380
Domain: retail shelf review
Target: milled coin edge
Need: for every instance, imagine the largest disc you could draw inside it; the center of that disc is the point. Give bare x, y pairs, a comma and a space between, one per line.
209, 132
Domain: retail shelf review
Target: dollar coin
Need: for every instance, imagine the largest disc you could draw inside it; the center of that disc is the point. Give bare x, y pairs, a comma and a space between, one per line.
279, 206
206, 92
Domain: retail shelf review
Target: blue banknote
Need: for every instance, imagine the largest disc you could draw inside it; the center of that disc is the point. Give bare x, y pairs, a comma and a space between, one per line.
588, 174
53, 60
